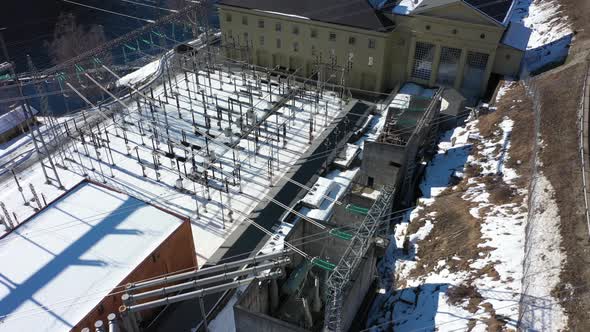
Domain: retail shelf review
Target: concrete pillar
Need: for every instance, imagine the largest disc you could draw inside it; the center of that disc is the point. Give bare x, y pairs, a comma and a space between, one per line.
411, 58
461, 69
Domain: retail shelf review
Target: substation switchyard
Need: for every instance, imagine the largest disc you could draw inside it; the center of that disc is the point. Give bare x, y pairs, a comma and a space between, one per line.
261, 164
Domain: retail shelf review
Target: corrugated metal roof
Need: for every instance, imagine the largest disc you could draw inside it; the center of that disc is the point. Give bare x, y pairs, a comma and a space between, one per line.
355, 13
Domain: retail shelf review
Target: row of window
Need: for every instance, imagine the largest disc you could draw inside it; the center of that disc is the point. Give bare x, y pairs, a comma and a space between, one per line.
372, 43
279, 44
296, 48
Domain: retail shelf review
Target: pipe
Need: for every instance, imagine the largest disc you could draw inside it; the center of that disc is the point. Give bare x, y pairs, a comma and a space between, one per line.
307, 312
274, 296
208, 270
206, 281
317, 302
113, 324
129, 322
99, 326
200, 292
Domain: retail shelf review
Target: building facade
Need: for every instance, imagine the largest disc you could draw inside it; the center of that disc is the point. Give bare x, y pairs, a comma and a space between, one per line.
451, 43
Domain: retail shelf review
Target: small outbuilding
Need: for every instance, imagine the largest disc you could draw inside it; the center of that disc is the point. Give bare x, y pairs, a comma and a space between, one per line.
65, 267
15, 122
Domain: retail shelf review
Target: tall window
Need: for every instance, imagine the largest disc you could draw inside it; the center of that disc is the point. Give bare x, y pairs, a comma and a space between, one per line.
295, 30
372, 43
474, 73
313, 50
246, 38
295, 47
228, 17
261, 40
261, 23
332, 36
448, 65
423, 57
314, 33
278, 43
351, 40
245, 20
278, 26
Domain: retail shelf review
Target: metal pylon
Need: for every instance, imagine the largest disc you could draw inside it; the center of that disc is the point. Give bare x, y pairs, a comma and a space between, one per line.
338, 281
37, 136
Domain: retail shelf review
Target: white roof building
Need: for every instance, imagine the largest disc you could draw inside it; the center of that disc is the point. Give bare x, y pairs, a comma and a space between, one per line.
60, 264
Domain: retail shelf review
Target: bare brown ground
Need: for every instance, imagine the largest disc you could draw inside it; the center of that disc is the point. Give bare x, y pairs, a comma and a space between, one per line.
578, 12
560, 93
454, 223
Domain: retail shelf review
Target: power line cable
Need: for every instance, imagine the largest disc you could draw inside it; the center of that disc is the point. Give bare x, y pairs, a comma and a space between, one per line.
109, 11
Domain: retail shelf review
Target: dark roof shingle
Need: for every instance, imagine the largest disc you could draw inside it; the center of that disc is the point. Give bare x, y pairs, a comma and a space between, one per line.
356, 13
496, 9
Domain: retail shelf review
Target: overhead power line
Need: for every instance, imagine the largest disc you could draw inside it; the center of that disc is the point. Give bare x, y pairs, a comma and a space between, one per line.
151, 6
110, 11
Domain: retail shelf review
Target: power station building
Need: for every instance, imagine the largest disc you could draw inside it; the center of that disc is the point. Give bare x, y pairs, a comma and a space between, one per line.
380, 44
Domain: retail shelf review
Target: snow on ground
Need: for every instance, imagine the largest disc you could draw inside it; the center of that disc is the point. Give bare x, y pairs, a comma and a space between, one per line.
551, 32
543, 265
340, 181
422, 301
141, 74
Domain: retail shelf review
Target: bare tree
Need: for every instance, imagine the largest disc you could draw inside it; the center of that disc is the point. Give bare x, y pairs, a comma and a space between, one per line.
175, 4
71, 39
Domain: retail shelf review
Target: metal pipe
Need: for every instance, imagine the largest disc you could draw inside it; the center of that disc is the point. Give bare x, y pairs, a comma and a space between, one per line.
201, 282
212, 269
201, 292
129, 322
113, 324
307, 312
99, 326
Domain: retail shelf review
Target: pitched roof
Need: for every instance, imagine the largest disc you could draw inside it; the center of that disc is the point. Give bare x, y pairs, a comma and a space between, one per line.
355, 13
496, 10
